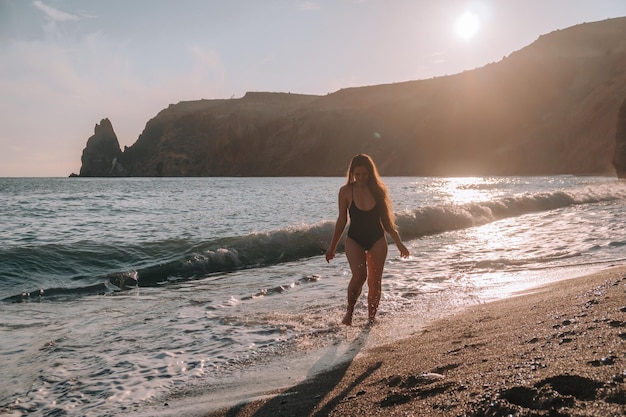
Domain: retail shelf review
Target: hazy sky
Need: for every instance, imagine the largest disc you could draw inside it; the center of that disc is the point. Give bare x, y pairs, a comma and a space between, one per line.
66, 64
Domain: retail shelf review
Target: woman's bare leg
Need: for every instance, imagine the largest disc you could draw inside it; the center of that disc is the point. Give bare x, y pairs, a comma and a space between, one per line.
375, 263
357, 260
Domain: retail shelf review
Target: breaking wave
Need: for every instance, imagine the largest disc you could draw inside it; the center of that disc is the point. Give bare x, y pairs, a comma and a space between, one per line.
101, 269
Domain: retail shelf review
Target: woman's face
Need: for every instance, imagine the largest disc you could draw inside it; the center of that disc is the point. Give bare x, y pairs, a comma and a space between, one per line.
361, 174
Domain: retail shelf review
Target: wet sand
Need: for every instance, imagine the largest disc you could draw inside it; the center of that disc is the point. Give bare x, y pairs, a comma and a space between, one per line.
559, 350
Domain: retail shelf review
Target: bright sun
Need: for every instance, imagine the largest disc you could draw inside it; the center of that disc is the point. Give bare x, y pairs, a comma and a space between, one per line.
467, 25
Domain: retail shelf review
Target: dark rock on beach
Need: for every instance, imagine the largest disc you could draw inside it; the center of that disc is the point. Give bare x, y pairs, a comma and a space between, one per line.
619, 157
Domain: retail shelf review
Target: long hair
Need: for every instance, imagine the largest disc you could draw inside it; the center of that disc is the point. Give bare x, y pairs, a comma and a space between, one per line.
376, 187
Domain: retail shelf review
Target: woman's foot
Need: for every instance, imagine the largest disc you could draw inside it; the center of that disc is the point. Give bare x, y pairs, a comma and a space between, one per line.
347, 319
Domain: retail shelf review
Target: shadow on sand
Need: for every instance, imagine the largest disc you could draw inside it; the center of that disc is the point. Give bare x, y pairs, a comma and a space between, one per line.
310, 397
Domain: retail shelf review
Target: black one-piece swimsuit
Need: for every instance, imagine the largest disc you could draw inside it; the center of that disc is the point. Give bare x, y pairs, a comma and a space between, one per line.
365, 227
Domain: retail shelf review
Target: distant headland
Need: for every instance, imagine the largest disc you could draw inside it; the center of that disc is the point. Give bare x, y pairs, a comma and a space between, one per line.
550, 108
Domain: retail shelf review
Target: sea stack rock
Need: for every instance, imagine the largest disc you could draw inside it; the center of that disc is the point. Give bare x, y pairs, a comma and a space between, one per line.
102, 155
619, 155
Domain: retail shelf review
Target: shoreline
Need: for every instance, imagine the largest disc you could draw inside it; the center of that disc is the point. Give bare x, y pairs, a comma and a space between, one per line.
559, 348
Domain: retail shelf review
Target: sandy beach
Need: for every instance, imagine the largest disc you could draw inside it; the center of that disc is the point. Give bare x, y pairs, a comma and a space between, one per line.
559, 350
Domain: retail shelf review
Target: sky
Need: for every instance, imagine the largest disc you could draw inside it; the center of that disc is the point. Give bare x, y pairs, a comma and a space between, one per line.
67, 64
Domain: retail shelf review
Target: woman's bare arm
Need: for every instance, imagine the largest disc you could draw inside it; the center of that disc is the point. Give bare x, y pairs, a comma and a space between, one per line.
340, 224
404, 252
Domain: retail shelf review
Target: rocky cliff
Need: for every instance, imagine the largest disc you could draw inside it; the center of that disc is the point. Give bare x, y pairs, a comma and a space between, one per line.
101, 157
549, 108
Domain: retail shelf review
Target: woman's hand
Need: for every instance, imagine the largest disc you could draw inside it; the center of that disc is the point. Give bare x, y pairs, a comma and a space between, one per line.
404, 252
330, 254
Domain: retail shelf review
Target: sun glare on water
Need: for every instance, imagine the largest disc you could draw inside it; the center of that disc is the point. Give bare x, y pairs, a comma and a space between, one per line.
467, 25
464, 190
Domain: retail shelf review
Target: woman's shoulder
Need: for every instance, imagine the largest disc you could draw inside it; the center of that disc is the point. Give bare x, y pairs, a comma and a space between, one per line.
345, 189
345, 192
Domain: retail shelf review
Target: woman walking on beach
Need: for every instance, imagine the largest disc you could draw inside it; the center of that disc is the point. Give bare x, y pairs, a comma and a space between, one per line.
364, 198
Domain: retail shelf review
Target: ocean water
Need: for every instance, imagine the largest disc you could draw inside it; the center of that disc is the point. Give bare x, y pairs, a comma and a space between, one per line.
117, 295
